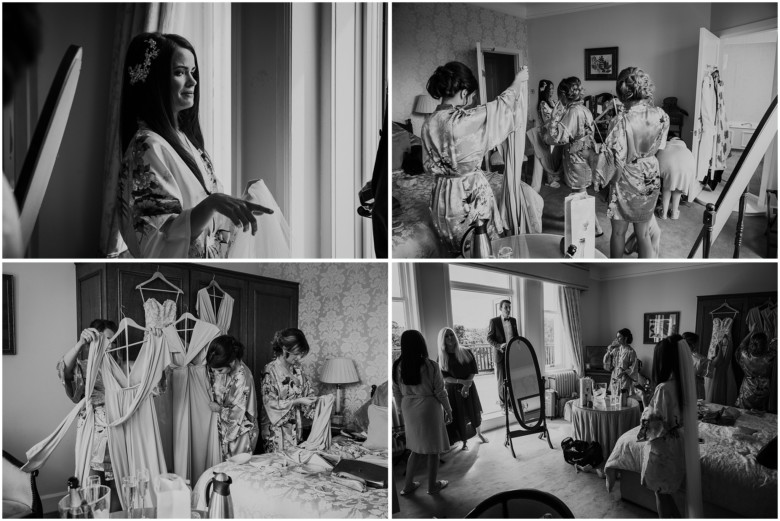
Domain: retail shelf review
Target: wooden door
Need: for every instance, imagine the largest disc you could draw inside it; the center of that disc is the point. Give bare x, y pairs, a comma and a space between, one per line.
272, 305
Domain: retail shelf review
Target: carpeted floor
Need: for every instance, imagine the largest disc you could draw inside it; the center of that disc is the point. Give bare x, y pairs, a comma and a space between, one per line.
487, 469
677, 236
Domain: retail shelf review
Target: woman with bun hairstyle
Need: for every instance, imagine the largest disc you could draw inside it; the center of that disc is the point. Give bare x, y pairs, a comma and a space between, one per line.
621, 360
235, 399
627, 161
287, 394
546, 158
455, 138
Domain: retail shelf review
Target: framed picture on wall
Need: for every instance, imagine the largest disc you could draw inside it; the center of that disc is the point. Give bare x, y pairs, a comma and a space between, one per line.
660, 325
9, 333
601, 64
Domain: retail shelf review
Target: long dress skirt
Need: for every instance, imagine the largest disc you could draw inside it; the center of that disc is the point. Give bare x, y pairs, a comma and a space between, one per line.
425, 429
466, 413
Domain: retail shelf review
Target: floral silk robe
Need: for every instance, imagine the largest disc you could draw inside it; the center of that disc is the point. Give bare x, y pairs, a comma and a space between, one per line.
282, 422
235, 393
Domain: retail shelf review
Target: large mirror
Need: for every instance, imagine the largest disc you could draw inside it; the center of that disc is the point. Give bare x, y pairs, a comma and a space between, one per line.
524, 389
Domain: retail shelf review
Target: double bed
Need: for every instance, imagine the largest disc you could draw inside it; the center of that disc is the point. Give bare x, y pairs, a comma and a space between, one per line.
733, 483
272, 486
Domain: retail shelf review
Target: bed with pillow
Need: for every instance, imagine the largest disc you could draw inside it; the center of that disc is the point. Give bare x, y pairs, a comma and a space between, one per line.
734, 484
299, 484
413, 234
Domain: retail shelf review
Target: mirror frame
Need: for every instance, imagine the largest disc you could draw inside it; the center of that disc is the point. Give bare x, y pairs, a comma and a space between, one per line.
540, 382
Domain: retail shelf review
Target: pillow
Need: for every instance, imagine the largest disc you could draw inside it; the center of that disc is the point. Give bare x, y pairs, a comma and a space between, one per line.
17, 489
379, 398
377, 428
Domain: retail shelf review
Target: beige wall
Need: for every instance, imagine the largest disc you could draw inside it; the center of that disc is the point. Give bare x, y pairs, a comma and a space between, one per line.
661, 38
622, 302
69, 222
427, 35
34, 401
728, 15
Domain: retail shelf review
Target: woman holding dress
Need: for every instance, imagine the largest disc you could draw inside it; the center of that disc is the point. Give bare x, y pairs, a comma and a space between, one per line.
622, 361
72, 371
235, 399
628, 164
720, 384
456, 138
757, 361
170, 203
418, 389
458, 368
287, 394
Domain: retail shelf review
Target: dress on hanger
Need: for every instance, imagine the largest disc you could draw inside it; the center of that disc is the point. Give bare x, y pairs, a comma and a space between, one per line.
134, 434
282, 423
190, 396
222, 316
721, 387
708, 118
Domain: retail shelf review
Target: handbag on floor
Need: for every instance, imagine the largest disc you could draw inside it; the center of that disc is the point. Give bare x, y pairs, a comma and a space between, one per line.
582, 453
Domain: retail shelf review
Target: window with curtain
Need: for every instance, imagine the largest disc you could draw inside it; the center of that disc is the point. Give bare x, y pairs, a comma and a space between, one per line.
404, 305
556, 355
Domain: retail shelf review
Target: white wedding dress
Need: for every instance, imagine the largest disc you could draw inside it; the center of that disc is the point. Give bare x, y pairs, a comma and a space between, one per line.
272, 240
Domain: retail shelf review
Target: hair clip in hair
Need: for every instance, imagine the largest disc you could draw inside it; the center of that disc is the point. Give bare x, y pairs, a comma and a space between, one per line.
141, 71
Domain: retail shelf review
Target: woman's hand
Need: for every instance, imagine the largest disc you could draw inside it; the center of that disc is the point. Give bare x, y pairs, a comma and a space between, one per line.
305, 400
522, 75
89, 335
241, 213
464, 392
214, 406
447, 417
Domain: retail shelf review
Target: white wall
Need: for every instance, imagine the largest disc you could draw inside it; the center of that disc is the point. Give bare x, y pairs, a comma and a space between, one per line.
660, 38
748, 70
621, 302
34, 400
733, 14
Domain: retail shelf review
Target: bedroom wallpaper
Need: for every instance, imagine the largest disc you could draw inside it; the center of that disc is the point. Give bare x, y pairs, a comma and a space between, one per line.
343, 312
426, 35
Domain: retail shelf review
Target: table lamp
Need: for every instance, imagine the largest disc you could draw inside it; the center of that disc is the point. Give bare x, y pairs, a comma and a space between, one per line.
339, 371
424, 104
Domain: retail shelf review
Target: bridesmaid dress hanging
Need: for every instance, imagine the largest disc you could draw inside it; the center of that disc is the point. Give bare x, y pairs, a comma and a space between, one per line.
721, 387
221, 317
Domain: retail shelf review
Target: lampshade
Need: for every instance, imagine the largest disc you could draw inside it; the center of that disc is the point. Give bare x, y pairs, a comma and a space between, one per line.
339, 371
424, 104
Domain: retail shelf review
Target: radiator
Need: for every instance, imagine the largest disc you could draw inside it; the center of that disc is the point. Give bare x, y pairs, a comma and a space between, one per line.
564, 382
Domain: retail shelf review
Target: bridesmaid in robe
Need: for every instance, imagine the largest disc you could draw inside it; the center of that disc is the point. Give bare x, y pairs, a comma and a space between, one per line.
287, 393
235, 398
455, 139
169, 201
628, 164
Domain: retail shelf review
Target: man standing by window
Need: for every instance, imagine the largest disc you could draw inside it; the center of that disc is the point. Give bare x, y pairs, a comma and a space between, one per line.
501, 330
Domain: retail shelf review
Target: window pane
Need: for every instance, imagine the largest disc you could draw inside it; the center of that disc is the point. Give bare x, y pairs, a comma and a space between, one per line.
399, 324
550, 296
397, 281
549, 339
479, 276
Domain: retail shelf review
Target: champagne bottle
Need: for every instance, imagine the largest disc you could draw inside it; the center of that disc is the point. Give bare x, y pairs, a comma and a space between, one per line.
79, 508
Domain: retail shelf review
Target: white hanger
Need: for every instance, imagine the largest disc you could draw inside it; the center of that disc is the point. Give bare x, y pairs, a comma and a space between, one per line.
123, 325
159, 276
215, 285
726, 309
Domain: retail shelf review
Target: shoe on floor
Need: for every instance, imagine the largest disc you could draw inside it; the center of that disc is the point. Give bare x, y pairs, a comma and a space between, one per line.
441, 484
406, 492
675, 215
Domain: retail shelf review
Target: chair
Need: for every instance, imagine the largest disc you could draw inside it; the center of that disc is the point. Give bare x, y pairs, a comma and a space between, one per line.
20, 491
521, 504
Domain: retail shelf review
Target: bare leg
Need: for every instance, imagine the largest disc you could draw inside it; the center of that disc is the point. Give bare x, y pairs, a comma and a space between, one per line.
618, 239
665, 196
643, 240
411, 463
676, 203
666, 506
481, 436
433, 470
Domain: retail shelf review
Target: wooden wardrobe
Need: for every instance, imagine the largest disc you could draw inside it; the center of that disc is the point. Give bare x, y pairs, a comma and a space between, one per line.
262, 305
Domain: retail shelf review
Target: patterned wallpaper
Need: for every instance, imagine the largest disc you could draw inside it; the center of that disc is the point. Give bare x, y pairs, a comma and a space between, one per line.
426, 35
343, 312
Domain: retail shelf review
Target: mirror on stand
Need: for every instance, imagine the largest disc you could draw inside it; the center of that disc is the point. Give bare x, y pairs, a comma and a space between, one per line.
524, 390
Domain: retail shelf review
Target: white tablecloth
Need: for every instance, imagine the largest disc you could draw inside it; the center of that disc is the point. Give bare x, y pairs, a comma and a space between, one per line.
603, 425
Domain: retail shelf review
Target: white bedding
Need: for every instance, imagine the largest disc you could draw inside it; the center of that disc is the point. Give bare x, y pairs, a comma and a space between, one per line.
731, 478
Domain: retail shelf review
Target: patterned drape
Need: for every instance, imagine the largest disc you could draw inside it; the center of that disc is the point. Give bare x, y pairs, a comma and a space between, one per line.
569, 301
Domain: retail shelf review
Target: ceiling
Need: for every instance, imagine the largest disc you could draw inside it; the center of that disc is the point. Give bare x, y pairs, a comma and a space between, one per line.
619, 270
541, 9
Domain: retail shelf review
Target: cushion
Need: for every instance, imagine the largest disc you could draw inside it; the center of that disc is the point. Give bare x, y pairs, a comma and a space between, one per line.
379, 398
401, 145
377, 428
15, 509
16, 487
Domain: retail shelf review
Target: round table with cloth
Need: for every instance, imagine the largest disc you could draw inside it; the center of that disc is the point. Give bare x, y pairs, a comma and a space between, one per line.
603, 424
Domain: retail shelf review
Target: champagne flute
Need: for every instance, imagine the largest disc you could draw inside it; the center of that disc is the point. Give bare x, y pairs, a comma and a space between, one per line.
143, 485
129, 492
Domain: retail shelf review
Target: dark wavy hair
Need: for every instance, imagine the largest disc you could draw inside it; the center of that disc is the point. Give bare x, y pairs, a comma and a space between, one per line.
150, 100
570, 88
627, 335
291, 340
634, 84
223, 350
666, 363
450, 79
545, 96
414, 355
101, 324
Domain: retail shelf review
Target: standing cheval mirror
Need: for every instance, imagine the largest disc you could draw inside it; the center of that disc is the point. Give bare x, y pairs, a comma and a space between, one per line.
524, 389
